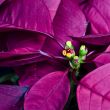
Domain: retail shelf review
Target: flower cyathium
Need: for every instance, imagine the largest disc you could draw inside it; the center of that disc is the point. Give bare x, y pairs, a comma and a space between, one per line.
68, 52
74, 60
83, 50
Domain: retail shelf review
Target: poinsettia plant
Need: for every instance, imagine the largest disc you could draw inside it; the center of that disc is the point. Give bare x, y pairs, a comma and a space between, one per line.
54, 55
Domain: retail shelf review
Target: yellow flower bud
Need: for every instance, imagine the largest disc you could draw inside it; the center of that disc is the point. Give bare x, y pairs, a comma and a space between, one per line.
68, 55
64, 52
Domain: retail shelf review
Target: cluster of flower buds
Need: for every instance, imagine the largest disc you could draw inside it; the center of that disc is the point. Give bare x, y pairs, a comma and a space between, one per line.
69, 50
74, 60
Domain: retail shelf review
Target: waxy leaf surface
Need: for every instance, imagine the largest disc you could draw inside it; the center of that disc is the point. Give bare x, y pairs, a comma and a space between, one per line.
29, 74
69, 21
21, 47
21, 21
103, 58
98, 15
94, 39
11, 97
52, 6
25, 14
49, 93
1, 1
93, 92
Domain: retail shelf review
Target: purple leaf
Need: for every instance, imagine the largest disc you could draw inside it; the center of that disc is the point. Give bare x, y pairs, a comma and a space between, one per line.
49, 93
2, 1
13, 59
52, 6
18, 60
98, 14
93, 92
69, 21
26, 15
52, 47
29, 74
11, 97
103, 58
94, 39
18, 48
22, 20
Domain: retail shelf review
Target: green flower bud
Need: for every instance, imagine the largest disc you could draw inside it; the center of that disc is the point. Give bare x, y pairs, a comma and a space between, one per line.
69, 45
76, 58
83, 51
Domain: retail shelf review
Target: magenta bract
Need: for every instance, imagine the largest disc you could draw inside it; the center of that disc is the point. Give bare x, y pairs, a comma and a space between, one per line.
93, 91
49, 93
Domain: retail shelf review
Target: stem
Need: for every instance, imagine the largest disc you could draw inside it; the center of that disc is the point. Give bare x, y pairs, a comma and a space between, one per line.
74, 77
